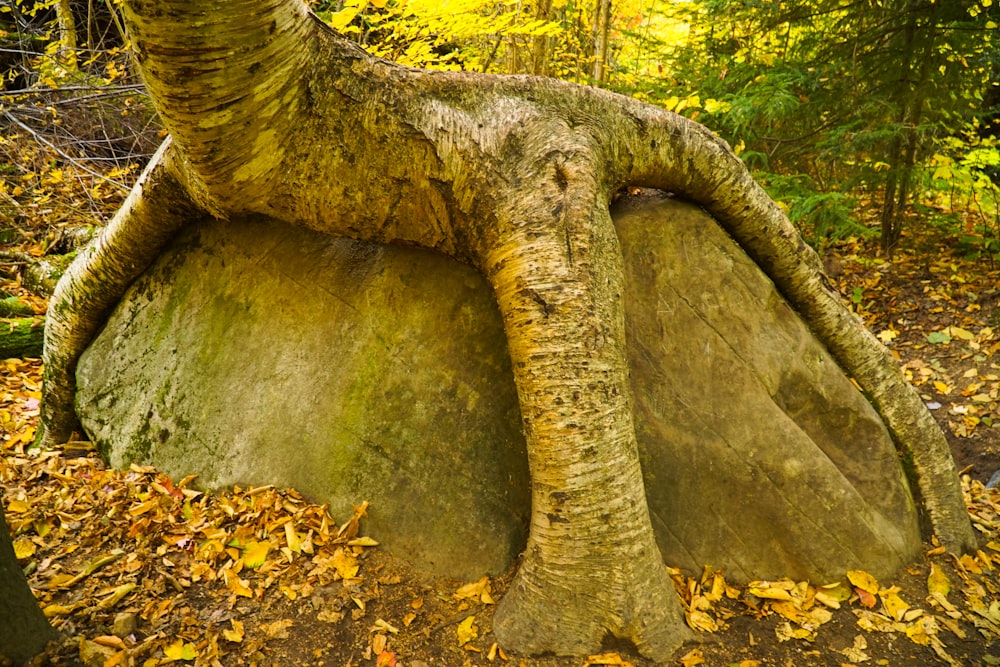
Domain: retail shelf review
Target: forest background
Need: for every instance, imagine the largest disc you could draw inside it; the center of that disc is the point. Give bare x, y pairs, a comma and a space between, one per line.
856, 116
875, 124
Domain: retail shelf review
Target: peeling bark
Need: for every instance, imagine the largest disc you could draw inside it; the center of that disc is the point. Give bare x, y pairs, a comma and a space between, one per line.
273, 114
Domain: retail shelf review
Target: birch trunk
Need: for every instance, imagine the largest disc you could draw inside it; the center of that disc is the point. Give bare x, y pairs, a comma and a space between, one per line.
273, 114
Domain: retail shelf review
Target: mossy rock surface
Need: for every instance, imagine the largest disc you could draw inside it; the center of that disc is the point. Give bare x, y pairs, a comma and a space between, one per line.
253, 353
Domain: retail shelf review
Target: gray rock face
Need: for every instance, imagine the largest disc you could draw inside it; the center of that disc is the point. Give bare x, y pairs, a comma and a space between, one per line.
254, 353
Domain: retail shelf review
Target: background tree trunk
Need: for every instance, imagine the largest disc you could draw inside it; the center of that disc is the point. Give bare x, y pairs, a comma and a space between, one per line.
540, 44
601, 34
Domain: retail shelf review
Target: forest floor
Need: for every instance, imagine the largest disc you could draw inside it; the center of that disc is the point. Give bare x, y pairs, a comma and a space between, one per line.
137, 569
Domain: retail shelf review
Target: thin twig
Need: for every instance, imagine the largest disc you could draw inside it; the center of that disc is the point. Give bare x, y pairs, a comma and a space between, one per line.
72, 160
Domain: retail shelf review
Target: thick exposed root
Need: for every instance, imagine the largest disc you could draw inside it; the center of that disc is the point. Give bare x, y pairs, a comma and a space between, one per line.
560, 613
94, 283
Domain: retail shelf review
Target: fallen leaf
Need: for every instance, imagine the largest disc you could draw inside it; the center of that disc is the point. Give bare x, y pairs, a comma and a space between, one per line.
180, 650
863, 580
23, 548
236, 634
467, 630
771, 590
699, 620
345, 564
866, 598
689, 659
960, 333
856, 653
609, 659
894, 605
831, 595
937, 581
110, 641
277, 629
382, 626
480, 589
255, 554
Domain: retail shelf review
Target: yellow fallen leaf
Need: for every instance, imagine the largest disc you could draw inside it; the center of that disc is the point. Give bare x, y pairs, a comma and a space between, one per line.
255, 554
61, 580
970, 564
918, 632
467, 630
17, 507
831, 595
960, 333
863, 580
57, 610
142, 508
292, 538
699, 620
692, 658
875, 622
769, 590
236, 634
609, 659
856, 653
480, 589
345, 564
363, 541
783, 631
383, 626
887, 335
180, 650
937, 581
894, 605
23, 548
235, 584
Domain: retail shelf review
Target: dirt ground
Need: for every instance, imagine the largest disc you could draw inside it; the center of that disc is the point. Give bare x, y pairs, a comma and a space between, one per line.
138, 569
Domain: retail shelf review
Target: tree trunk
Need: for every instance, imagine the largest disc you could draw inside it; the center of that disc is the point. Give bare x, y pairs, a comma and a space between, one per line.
901, 157
24, 630
541, 43
272, 114
601, 33
67, 33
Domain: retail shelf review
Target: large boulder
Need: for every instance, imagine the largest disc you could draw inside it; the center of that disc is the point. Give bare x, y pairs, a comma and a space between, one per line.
255, 353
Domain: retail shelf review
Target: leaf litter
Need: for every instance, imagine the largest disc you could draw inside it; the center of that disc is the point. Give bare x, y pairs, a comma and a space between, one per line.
148, 571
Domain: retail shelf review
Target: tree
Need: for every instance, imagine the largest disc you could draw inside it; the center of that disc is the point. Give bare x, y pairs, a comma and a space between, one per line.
844, 93
24, 630
271, 113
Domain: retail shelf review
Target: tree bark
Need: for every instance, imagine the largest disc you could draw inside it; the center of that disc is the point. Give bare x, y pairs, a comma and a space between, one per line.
24, 630
273, 114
